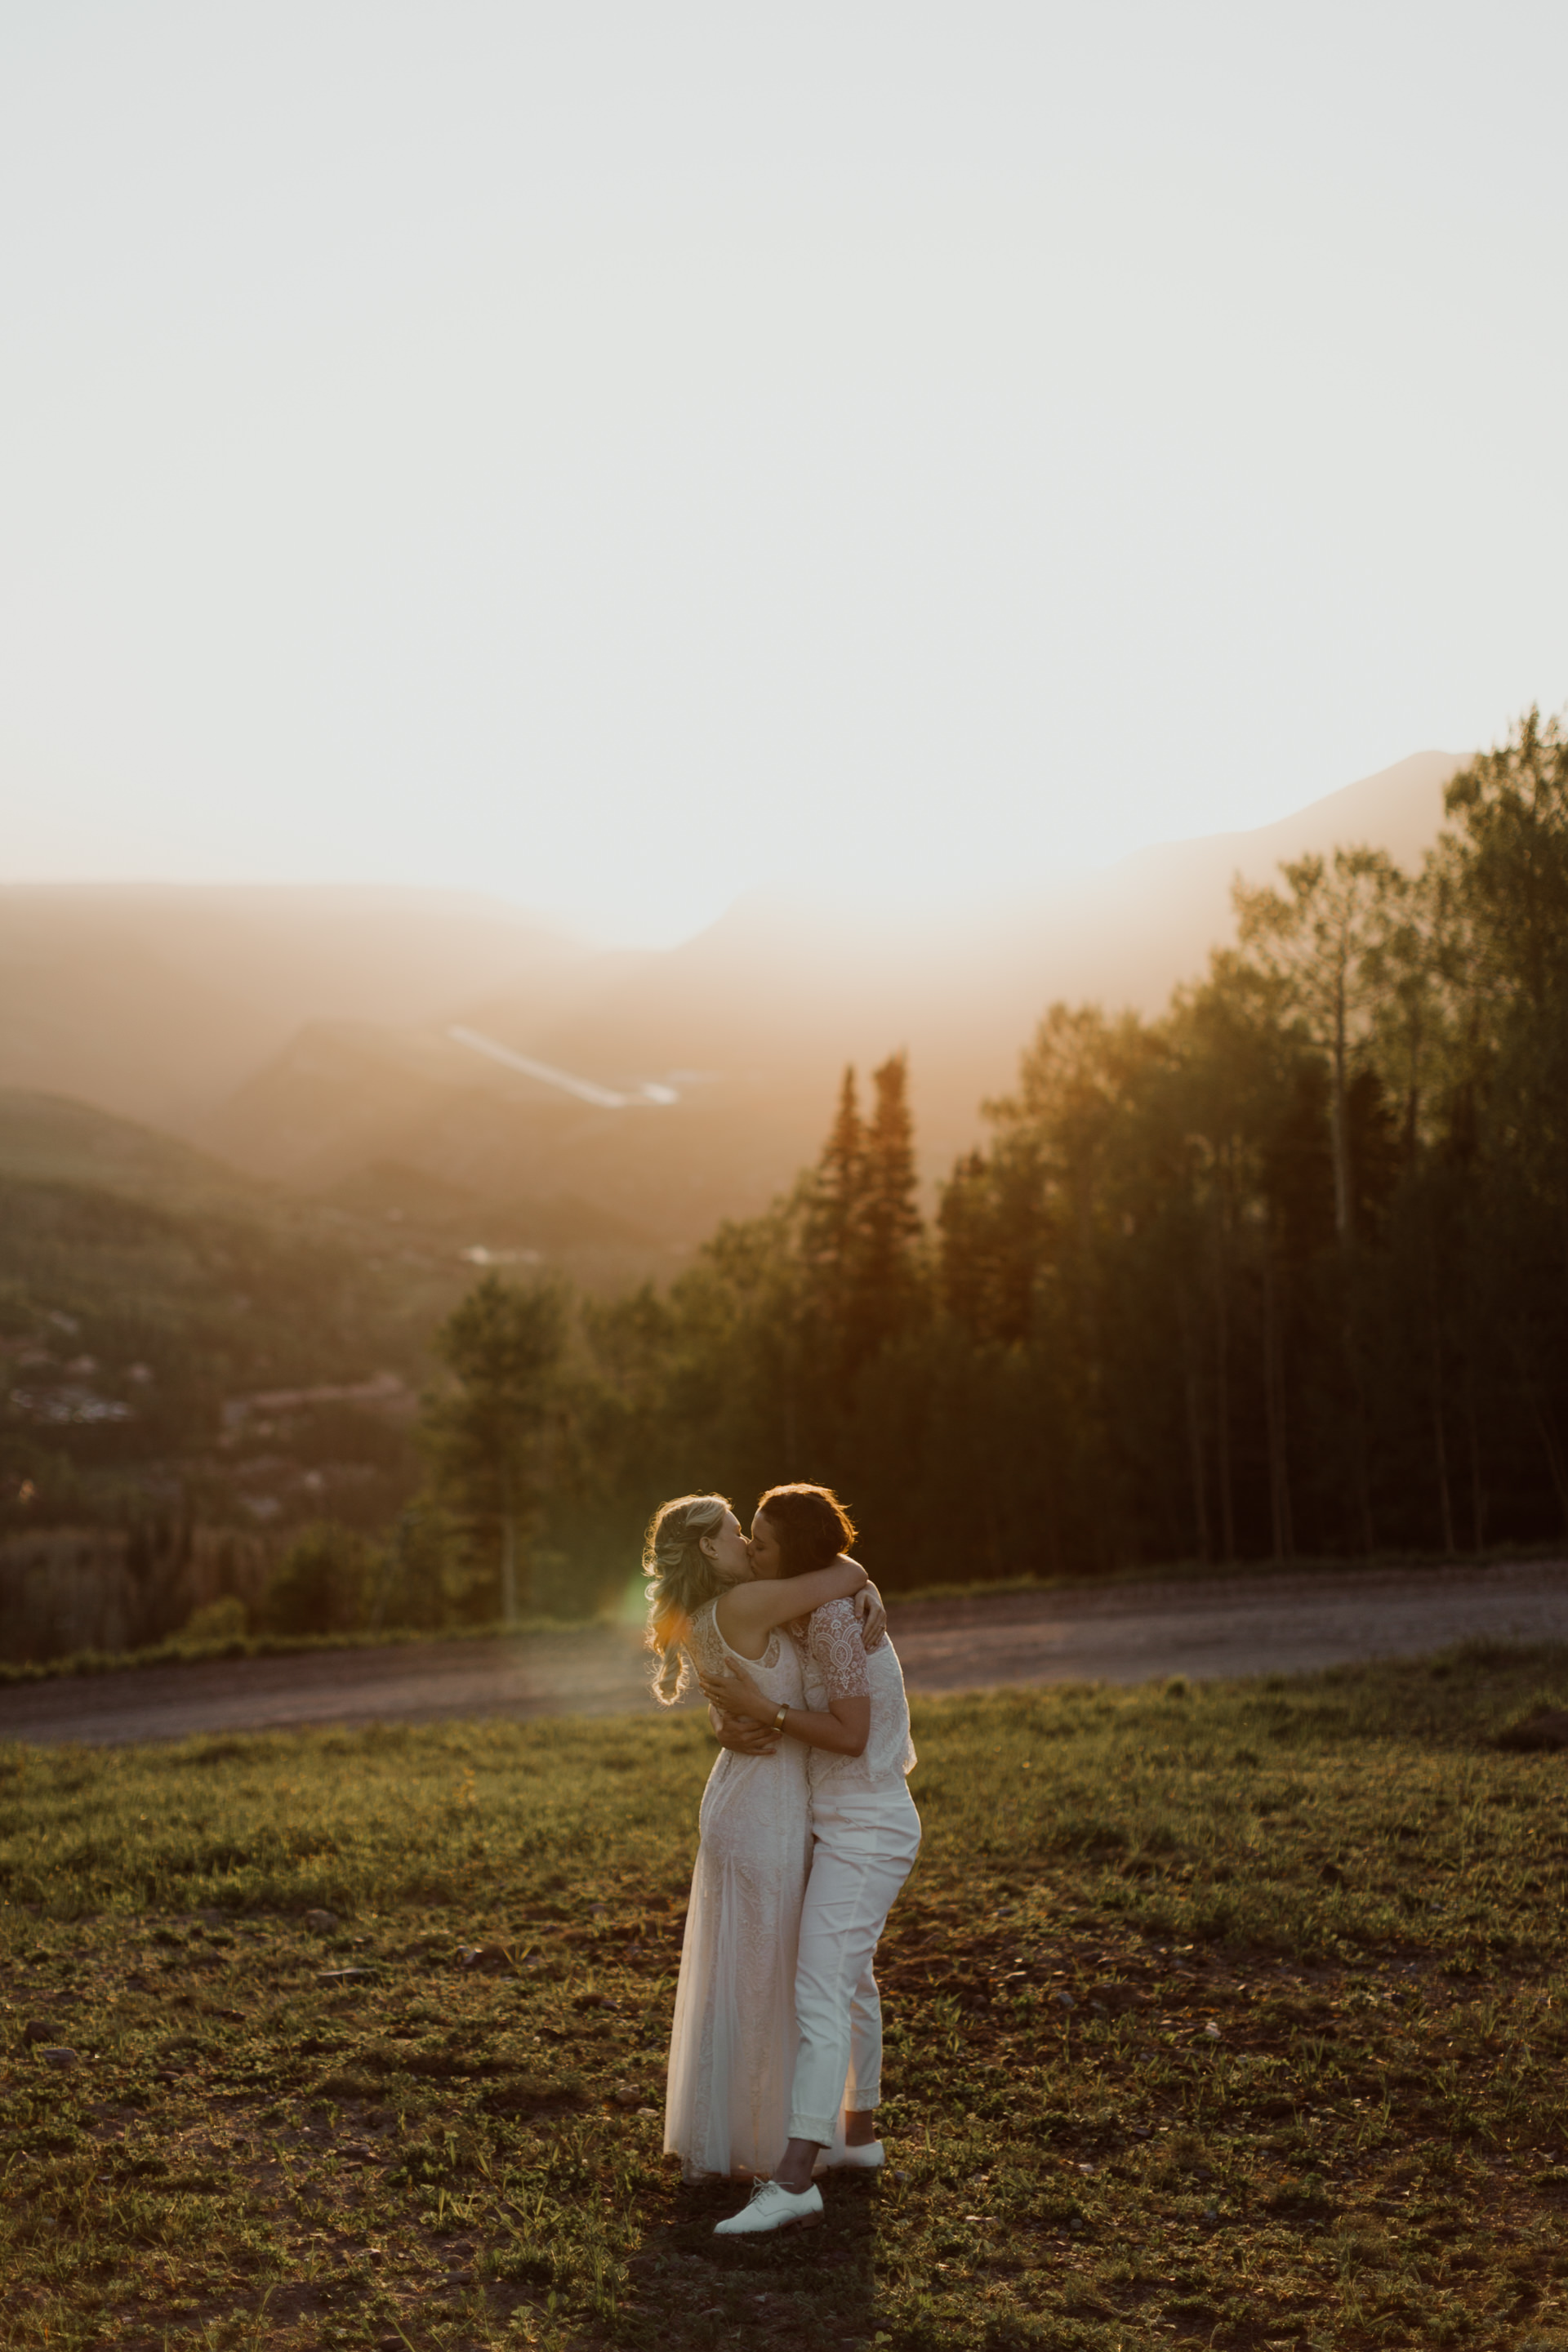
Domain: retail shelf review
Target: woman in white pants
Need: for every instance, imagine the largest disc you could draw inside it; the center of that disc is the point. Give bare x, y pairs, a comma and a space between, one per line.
866, 1834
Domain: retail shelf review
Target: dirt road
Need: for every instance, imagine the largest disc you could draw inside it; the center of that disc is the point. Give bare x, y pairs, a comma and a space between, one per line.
1125, 1633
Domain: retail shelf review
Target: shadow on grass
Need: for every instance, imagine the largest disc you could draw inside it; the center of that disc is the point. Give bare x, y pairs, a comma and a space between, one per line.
816, 2284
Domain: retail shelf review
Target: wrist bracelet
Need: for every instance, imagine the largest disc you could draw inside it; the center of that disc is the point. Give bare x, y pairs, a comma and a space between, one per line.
779, 1718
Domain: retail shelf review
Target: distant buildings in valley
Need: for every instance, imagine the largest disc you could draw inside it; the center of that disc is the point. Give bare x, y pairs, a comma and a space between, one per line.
386, 1394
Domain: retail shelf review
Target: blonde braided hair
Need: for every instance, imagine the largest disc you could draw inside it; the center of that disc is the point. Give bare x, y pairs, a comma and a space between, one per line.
681, 1578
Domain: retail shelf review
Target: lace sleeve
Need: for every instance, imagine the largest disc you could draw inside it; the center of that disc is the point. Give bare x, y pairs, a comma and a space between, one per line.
833, 1639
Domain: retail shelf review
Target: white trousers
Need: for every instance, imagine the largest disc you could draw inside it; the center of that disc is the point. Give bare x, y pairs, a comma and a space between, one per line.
864, 1844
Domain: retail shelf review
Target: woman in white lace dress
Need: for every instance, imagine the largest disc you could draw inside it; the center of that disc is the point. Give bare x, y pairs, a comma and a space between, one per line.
733, 2047
855, 1728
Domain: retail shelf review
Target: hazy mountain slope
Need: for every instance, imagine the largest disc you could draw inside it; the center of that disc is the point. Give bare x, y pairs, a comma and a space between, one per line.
47, 1139
306, 1036
1127, 934
749, 1025
342, 1097
1133, 929
158, 1002
778, 995
88, 1012
772, 972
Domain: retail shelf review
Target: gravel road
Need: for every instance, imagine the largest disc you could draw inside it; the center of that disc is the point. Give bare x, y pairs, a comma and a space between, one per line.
1123, 1634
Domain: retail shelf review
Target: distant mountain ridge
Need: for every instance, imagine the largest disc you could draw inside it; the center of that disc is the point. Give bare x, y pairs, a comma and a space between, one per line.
308, 1036
157, 1001
52, 1139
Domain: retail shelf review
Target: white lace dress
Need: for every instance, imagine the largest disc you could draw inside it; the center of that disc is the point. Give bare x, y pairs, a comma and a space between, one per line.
732, 2048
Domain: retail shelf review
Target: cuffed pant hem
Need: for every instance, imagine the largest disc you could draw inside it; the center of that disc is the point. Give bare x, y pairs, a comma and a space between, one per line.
815, 2127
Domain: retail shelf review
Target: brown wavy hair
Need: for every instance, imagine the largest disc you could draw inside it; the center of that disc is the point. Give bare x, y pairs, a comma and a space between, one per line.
811, 1524
681, 1577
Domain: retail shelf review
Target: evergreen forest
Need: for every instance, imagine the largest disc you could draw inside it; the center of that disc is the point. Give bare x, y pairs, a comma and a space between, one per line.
1281, 1273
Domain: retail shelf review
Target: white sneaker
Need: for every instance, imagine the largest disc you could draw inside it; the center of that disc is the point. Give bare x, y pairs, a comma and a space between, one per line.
842, 2158
772, 2207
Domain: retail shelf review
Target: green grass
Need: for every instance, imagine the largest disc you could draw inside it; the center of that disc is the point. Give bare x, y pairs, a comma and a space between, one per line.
1231, 2016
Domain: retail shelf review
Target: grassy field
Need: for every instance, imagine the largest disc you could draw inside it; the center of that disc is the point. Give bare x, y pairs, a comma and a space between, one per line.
1226, 2015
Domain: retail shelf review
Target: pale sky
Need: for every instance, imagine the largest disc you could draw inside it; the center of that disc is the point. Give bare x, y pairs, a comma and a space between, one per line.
616, 455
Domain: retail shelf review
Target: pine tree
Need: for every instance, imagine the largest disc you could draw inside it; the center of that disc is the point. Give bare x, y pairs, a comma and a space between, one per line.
831, 1235
887, 1284
1507, 868
861, 1232
504, 1348
1327, 943
992, 1229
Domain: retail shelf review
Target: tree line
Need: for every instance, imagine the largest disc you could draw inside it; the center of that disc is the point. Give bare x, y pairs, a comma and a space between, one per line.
1280, 1273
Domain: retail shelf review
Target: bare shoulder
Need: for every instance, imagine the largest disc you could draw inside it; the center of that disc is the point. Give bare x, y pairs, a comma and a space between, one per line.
741, 1604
